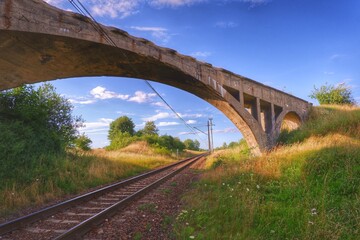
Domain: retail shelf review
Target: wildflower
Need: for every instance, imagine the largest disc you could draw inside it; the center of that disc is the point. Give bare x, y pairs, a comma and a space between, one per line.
230, 195
187, 224
247, 189
313, 212
272, 231
311, 223
257, 186
192, 237
239, 182
223, 184
231, 189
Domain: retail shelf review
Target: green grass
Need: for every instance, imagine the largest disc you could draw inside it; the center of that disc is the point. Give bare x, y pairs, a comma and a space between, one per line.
50, 177
308, 188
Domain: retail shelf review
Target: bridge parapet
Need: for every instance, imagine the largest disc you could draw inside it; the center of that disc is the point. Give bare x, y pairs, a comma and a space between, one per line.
39, 42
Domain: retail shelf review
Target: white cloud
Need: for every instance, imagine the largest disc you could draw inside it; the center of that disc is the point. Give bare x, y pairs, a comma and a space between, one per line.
165, 124
101, 93
57, 3
115, 8
160, 115
329, 73
80, 100
97, 126
142, 97
189, 133
158, 33
173, 3
223, 24
160, 104
254, 3
191, 121
191, 115
201, 54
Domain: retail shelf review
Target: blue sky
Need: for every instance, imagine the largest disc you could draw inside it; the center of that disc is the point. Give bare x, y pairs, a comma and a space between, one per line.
291, 45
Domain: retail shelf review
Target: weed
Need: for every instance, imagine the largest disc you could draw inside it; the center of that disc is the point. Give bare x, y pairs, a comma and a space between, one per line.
148, 207
137, 236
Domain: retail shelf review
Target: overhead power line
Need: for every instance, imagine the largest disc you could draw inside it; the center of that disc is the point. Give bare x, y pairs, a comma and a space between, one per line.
82, 10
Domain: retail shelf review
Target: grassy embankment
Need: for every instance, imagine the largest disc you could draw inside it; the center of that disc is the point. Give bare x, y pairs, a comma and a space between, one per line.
307, 188
51, 177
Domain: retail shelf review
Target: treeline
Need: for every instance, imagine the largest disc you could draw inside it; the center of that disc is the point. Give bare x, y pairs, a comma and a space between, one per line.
122, 133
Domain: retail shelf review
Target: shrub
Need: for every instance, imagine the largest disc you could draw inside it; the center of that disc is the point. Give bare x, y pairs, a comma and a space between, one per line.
83, 142
329, 94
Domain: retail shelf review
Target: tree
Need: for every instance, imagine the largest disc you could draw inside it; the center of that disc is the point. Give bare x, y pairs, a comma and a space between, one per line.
46, 114
83, 142
191, 144
329, 94
122, 124
149, 129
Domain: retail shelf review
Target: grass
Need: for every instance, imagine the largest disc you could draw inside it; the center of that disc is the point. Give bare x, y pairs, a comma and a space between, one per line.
56, 176
307, 188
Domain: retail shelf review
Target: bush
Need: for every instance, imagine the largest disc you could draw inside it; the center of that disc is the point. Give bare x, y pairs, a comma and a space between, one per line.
329, 94
83, 142
121, 140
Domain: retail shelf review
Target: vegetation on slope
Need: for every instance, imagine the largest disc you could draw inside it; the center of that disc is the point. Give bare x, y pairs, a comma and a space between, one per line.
55, 176
38, 161
308, 188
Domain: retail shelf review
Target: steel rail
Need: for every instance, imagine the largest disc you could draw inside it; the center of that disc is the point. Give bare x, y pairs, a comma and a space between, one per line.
49, 211
81, 229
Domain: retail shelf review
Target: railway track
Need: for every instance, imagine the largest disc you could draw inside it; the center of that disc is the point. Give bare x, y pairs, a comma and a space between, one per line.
75, 217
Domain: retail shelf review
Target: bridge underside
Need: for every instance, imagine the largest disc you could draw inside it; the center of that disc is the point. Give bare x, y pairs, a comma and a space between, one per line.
48, 43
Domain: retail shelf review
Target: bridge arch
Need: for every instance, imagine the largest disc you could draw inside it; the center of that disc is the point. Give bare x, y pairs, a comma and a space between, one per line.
47, 44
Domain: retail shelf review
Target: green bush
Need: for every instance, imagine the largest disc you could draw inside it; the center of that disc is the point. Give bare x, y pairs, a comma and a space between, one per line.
83, 142
329, 94
33, 123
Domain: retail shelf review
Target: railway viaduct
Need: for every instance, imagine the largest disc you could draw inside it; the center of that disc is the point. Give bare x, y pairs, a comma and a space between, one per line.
39, 42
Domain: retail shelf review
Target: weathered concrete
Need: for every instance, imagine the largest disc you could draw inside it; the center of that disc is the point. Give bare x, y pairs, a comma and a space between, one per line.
39, 42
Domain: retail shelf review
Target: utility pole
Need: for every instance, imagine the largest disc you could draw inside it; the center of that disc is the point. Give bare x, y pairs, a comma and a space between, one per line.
209, 138
210, 135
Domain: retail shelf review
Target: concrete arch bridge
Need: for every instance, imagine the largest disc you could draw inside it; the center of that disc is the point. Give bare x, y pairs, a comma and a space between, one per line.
39, 42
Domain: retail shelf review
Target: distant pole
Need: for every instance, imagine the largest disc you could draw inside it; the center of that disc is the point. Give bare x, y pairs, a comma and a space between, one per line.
209, 138
211, 134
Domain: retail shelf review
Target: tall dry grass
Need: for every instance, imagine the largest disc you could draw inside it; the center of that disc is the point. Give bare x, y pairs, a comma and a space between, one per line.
306, 188
57, 176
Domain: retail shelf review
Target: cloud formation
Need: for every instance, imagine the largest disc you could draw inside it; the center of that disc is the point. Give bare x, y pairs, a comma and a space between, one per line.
99, 126
160, 115
142, 97
173, 3
166, 124
158, 33
201, 54
191, 121
101, 93
81, 100
114, 8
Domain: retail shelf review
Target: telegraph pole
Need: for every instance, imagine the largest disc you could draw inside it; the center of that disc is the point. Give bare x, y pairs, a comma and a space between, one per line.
209, 138
210, 135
